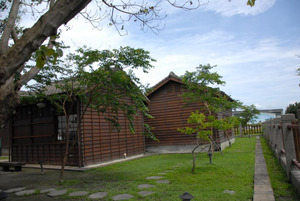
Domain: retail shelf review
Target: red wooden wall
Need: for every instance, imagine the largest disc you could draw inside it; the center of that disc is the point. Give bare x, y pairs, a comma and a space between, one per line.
170, 113
101, 142
34, 137
167, 108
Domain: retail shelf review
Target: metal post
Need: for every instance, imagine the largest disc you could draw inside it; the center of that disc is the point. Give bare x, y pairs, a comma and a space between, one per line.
42, 169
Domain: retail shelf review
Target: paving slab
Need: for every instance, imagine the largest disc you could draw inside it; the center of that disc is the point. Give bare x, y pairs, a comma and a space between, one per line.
145, 193
163, 181
98, 195
57, 193
229, 192
78, 193
142, 186
25, 192
48, 190
122, 197
13, 190
155, 177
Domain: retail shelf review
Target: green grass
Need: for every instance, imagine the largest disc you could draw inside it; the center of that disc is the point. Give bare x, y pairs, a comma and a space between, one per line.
233, 170
283, 189
3, 157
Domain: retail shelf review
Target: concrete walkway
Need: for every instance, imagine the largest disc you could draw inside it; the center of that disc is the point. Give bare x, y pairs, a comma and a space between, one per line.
262, 186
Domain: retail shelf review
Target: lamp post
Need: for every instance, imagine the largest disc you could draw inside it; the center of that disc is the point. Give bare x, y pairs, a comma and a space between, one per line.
186, 196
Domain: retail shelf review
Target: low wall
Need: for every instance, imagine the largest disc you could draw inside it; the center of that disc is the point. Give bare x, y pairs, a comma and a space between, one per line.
283, 134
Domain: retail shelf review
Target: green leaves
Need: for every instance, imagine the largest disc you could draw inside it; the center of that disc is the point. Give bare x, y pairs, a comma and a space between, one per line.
200, 125
44, 53
251, 3
248, 114
202, 85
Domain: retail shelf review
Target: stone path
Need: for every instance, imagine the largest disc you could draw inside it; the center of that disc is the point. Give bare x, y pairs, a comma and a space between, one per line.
51, 192
262, 187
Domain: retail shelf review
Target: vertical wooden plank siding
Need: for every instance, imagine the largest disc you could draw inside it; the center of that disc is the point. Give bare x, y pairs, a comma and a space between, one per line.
170, 113
102, 142
34, 137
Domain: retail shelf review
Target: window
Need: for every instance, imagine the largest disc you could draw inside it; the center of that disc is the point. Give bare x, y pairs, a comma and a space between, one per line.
62, 127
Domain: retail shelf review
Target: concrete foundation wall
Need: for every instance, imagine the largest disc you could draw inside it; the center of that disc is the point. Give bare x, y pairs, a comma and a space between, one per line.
185, 148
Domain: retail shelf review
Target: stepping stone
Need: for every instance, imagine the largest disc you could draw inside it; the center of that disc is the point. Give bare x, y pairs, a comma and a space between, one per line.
162, 173
122, 197
142, 186
155, 177
13, 190
57, 193
98, 195
3, 173
229, 192
169, 171
25, 192
163, 181
49, 190
78, 193
145, 193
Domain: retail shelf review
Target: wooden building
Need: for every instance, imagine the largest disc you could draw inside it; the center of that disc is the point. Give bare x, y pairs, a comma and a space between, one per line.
170, 113
38, 134
4, 140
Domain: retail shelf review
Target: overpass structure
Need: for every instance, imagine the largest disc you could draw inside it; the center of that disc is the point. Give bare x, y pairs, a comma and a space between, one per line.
277, 112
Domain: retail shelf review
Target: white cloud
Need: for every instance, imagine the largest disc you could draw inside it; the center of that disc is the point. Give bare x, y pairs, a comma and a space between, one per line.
238, 7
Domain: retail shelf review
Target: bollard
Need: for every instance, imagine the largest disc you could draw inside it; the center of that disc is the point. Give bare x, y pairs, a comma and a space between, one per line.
186, 196
210, 155
42, 169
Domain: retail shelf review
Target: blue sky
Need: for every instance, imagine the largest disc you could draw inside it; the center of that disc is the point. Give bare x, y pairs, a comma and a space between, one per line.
255, 49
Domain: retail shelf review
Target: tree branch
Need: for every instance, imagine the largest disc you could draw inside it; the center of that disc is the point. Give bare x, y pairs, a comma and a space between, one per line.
47, 25
14, 35
9, 26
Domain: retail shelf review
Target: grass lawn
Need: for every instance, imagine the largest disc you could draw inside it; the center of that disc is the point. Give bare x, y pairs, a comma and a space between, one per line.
283, 190
232, 171
3, 157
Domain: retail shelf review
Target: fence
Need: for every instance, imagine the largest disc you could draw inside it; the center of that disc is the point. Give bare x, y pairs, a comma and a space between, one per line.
251, 129
284, 139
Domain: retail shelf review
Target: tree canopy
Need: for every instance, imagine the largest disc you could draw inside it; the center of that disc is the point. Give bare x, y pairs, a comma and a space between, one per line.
248, 114
292, 109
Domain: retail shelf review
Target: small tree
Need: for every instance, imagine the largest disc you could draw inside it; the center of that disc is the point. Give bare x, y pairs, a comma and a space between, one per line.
201, 126
201, 86
249, 114
100, 82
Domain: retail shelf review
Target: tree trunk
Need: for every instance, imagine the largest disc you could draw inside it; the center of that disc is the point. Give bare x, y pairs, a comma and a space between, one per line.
194, 158
9, 98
